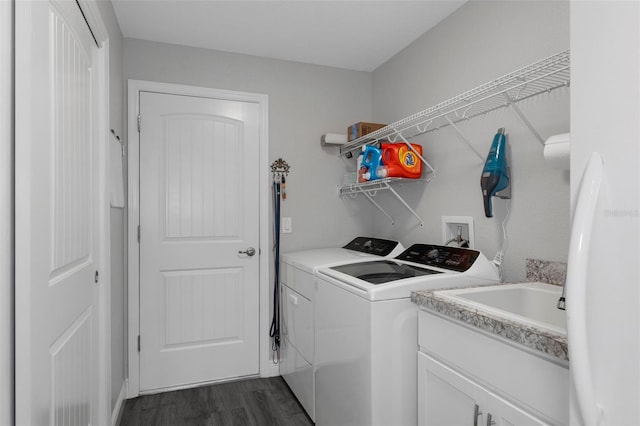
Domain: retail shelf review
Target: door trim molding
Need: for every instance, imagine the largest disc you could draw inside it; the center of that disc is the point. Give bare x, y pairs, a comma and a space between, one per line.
133, 215
96, 23
6, 213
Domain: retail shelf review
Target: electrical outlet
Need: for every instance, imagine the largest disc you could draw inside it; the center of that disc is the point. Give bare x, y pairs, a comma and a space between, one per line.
286, 225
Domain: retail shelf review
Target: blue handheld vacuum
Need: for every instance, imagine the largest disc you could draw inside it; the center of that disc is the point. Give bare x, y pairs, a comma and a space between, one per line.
495, 175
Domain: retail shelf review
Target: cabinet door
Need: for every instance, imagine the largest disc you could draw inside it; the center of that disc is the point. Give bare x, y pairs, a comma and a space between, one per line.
296, 317
504, 413
446, 397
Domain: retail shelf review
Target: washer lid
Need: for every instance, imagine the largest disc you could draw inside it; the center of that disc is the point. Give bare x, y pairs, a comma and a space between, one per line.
382, 271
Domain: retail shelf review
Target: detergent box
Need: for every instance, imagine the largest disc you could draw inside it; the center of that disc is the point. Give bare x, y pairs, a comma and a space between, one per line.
361, 128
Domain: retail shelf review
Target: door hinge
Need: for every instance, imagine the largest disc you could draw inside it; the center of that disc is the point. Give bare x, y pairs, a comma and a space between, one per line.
138, 343
138, 123
138, 234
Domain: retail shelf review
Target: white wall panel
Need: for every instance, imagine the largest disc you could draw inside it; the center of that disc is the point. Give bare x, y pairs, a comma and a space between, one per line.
71, 375
189, 296
202, 175
71, 161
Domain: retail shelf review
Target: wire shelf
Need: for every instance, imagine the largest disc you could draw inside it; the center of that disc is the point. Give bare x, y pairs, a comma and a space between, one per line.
541, 77
373, 186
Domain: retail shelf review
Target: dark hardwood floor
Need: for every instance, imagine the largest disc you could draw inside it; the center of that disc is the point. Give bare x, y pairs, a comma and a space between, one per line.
255, 402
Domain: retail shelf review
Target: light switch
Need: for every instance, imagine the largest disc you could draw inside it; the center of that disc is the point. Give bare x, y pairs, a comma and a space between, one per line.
286, 225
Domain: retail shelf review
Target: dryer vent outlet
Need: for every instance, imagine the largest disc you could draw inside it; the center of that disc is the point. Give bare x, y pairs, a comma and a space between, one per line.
457, 231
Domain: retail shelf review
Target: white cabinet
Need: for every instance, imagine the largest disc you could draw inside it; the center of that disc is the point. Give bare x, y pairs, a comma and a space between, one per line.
296, 318
296, 328
445, 397
510, 415
448, 398
469, 377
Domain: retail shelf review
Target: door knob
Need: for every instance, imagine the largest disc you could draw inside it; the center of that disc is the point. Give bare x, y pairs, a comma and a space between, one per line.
249, 252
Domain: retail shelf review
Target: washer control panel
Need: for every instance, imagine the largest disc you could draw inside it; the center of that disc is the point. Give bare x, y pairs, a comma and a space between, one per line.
453, 258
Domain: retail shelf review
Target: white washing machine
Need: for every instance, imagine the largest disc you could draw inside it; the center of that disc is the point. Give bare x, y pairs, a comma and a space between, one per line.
366, 331
297, 281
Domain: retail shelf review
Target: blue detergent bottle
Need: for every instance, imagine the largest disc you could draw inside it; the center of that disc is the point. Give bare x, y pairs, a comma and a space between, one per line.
372, 160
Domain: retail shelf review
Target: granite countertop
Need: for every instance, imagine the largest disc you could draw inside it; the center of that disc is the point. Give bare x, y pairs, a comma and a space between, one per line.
549, 343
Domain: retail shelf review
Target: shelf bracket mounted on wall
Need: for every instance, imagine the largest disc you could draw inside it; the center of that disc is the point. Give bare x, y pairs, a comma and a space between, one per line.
399, 134
463, 138
404, 203
369, 189
383, 211
523, 117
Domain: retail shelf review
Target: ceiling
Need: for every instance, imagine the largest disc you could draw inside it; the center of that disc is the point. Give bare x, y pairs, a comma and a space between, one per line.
355, 34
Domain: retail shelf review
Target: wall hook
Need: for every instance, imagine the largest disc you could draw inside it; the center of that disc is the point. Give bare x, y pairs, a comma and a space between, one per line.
280, 167
113, 132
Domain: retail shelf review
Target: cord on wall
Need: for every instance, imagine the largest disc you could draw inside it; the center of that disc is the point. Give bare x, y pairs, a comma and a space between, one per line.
499, 257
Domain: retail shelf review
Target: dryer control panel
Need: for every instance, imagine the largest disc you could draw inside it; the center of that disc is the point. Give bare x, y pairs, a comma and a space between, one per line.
376, 246
453, 258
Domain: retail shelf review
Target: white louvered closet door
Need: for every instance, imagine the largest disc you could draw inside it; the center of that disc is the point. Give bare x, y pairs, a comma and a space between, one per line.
199, 297
57, 228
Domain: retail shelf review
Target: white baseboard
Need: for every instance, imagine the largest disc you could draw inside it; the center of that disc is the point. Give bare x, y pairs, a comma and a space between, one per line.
117, 410
271, 370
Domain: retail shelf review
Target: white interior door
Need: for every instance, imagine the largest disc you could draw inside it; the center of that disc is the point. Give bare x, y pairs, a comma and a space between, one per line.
199, 209
57, 219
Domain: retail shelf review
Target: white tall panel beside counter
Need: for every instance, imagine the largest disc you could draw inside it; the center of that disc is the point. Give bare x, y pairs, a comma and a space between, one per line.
605, 119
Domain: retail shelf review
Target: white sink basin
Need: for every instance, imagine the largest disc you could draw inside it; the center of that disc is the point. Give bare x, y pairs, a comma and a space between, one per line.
530, 304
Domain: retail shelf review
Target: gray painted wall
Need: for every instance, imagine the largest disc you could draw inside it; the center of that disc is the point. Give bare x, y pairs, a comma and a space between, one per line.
482, 41
117, 216
305, 101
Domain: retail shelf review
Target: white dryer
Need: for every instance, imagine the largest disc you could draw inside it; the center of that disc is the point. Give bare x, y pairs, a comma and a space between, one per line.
366, 331
297, 279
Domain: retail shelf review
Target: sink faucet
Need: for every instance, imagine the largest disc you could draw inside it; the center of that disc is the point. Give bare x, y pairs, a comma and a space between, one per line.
561, 301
